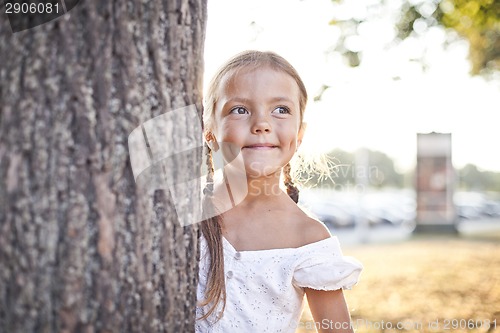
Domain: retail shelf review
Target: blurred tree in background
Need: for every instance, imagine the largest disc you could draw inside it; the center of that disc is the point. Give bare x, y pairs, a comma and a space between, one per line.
473, 179
476, 21
381, 172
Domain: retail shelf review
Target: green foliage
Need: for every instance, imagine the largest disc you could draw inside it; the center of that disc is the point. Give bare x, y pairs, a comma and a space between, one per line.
472, 179
478, 21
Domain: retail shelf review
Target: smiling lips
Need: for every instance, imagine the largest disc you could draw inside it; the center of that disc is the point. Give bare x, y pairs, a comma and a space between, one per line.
261, 146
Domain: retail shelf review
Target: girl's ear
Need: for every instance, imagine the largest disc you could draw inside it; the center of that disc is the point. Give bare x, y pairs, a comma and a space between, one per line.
211, 141
300, 135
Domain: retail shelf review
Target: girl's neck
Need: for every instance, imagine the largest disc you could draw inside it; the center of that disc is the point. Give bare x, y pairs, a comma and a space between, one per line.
235, 188
254, 189
264, 188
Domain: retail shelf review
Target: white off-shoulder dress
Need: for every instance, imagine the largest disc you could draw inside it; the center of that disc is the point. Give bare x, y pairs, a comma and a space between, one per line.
265, 288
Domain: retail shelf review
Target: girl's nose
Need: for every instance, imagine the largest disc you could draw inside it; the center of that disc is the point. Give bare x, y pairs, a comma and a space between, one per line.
261, 125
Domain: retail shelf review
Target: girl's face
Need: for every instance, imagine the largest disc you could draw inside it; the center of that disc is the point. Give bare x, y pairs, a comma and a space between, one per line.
258, 114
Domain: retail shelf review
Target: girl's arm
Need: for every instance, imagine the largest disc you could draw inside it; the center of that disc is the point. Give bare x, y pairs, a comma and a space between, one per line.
329, 310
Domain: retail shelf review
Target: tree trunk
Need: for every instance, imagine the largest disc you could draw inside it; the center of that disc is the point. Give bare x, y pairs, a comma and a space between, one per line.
82, 249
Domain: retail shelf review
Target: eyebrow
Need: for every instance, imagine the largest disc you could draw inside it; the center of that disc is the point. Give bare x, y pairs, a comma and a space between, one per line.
238, 100
248, 101
281, 99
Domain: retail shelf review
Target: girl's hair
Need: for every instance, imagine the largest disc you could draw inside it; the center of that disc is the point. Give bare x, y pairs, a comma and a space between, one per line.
211, 228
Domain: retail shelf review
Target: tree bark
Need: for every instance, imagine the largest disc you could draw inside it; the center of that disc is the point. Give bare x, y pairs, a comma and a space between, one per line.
82, 249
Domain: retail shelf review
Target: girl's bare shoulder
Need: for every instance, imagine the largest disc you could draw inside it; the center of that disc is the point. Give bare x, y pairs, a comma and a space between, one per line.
310, 230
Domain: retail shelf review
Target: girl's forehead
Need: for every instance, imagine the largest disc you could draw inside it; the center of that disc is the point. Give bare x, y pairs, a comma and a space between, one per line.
243, 79
252, 70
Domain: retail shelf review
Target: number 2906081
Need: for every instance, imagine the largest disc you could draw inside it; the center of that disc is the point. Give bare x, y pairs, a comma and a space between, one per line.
32, 8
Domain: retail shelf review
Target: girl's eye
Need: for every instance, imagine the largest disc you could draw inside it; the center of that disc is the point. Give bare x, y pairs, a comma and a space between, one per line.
282, 110
239, 110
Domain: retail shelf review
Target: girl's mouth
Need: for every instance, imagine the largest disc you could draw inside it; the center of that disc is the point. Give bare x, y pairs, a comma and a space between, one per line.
261, 146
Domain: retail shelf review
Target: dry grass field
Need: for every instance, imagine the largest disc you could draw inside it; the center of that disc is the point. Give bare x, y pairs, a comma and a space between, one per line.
433, 284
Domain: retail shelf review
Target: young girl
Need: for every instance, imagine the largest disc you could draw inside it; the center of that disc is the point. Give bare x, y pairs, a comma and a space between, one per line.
262, 253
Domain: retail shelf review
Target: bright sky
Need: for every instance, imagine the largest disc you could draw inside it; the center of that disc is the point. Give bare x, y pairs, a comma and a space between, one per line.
366, 106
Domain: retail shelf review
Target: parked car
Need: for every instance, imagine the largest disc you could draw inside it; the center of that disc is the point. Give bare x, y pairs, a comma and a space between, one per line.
389, 208
469, 205
491, 208
341, 209
333, 215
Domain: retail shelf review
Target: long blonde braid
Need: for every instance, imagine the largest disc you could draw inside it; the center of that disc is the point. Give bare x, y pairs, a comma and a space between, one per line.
291, 189
211, 229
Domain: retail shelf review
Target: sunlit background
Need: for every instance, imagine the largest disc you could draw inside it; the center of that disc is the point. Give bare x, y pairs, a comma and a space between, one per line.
420, 85
379, 72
